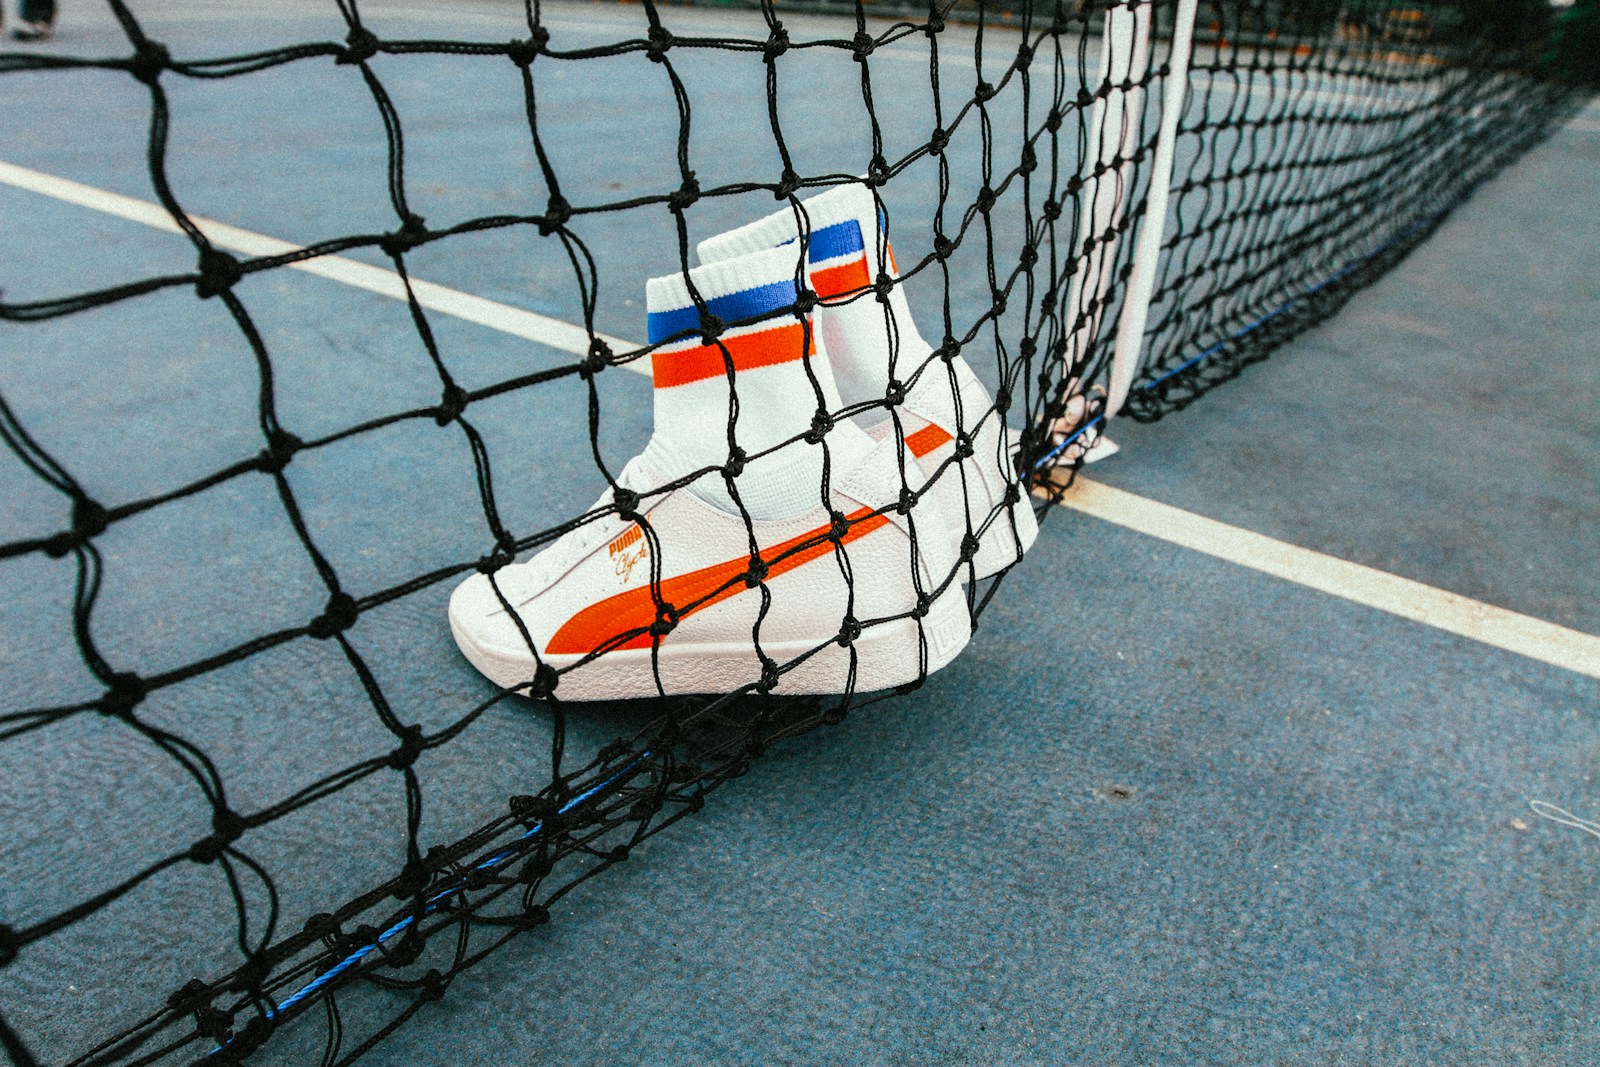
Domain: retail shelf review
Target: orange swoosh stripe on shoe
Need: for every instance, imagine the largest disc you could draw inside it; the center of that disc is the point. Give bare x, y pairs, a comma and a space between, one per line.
747, 350
927, 439
600, 623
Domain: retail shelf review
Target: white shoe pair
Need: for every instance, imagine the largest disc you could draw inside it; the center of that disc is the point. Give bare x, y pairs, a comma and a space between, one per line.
681, 592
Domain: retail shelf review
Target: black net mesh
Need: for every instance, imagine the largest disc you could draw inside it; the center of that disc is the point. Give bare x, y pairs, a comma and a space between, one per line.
1319, 144
346, 878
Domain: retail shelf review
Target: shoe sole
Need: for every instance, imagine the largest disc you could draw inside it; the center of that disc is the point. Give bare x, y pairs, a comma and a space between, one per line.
887, 655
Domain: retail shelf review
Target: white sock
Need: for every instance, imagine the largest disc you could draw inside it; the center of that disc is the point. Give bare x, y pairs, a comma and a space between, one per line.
869, 338
776, 393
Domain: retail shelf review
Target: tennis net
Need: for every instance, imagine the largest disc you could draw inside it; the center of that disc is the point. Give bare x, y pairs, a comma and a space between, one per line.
354, 818
1319, 144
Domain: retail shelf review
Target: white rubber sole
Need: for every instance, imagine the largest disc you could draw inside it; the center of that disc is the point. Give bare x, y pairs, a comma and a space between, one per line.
887, 655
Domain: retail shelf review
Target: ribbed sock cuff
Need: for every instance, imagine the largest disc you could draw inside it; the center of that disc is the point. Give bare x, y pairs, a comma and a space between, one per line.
843, 203
754, 285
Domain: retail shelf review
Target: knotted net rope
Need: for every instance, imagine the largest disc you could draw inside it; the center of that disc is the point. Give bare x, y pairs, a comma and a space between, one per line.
1015, 236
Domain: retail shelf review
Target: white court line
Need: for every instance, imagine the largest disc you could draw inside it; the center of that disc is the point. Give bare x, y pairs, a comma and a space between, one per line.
1526, 636
553, 333
1522, 634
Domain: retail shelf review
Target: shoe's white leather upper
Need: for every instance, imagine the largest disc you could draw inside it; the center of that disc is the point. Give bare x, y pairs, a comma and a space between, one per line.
610, 563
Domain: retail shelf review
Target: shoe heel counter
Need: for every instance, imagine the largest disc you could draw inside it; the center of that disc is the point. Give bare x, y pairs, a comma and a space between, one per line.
875, 484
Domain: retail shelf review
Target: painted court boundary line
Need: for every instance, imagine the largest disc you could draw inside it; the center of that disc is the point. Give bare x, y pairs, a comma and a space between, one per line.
553, 333
1544, 641
1570, 650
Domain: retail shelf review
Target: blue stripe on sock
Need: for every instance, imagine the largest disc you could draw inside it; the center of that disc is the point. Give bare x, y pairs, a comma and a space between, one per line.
840, 239
831, 242
745, 304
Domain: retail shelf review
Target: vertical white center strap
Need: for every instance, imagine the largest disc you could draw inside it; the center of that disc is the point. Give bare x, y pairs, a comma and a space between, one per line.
1114, 123
1141, 283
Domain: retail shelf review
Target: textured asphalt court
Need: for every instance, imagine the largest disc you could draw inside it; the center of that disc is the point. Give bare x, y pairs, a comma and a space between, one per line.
1165, 809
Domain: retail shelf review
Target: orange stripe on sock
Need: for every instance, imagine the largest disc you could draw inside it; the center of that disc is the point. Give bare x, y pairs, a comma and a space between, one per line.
749, 350
599, 624
927, 439
837, 281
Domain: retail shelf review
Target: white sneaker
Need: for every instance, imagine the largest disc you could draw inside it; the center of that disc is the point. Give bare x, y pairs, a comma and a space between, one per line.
977, 487
589, 603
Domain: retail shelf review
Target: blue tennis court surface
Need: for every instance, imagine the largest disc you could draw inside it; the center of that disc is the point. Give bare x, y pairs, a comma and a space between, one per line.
1165, 809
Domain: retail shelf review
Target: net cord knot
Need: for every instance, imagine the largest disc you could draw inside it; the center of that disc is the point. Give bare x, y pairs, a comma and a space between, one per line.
360, 46
150, 58
218, 272
339, 615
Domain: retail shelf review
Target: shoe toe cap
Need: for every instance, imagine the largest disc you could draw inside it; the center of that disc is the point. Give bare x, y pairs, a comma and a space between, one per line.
479, 619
